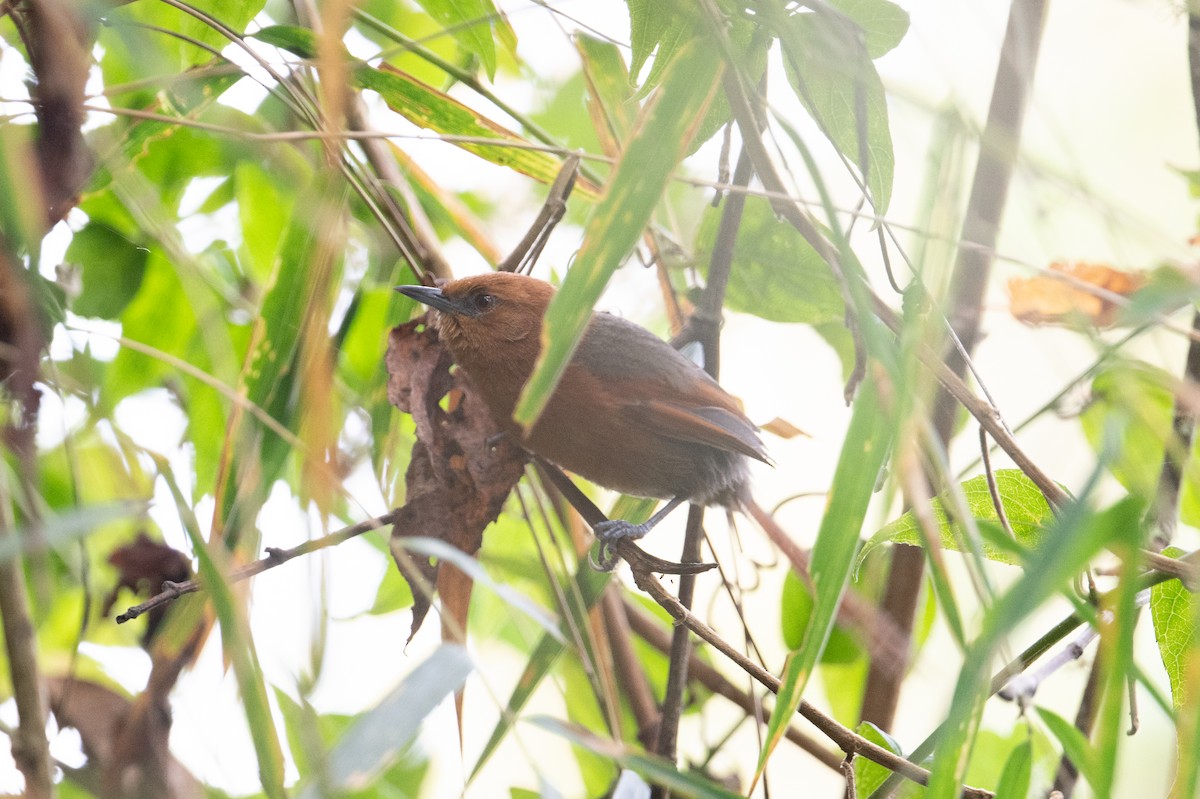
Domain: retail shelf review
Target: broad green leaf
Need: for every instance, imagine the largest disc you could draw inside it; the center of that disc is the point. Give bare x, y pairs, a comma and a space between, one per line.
296, 40
1167, 289
22, 221
665, 128
375, 740
1130, 399
883, 22
61, 529
869, 775
264, 207
648, 22
470, 22
301, 289
776, 274
1175, 612
865, 447
400, 26
1116, 646
1018, 773
828, 65
232, 14
1026, 509
1074, 745
1176, 615
112, 268
1070, 543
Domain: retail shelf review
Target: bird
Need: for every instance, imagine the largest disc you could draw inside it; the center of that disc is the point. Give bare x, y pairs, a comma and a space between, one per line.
630, 413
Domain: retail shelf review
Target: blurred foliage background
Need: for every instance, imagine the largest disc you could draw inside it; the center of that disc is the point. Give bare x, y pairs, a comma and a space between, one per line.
204, 207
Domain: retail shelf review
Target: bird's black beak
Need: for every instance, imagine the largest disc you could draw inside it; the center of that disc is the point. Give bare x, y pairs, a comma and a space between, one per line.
431, 296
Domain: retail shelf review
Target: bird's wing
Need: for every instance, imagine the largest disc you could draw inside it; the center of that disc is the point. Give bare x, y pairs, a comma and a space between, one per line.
716, 427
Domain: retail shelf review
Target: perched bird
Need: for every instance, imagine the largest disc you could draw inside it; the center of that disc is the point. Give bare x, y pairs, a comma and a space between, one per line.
630, 412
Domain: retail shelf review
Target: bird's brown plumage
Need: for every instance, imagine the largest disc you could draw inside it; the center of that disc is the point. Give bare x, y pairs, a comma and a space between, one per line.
630, 413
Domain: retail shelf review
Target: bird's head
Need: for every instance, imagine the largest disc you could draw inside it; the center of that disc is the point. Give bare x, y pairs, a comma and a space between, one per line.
481, 312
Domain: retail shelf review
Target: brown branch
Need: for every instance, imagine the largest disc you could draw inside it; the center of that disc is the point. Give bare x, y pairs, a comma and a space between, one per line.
704, 326
993, 173
651, 630
843, 737
635, 556
274, 557
629, 670
30, 749
529, 248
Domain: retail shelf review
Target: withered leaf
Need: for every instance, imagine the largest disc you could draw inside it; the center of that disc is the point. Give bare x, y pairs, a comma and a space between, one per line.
125, 740
460, 473
143, 567
1062, 295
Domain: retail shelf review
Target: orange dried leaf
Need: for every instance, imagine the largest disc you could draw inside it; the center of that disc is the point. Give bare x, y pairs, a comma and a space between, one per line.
784, 429
1072, 292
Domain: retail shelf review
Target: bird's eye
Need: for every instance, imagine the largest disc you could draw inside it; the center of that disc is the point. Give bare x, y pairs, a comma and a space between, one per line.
484, 302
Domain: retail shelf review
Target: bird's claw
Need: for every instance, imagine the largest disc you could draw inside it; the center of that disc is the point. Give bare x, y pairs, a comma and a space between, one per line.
608, 533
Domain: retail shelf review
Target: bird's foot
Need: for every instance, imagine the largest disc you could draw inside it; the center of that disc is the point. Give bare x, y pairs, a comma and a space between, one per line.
609, 533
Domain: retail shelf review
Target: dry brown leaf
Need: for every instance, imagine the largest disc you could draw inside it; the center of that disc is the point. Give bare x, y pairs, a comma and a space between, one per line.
784, 429
143, 567
125, 740
1063, 295
459, 474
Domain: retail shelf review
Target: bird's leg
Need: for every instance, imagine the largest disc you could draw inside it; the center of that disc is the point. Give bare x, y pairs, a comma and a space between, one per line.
613, 530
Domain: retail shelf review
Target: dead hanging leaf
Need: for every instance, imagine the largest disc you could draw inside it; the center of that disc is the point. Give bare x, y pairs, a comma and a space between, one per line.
784, 429
143, 567
126, 743
1072, 292
459, 474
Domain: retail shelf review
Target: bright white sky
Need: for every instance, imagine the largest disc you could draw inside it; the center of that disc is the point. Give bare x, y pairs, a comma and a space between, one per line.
1110, 121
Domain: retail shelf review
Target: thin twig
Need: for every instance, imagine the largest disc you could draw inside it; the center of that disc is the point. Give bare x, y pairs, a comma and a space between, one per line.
845, 738
993, 489
651, 630
529, 248
274, 557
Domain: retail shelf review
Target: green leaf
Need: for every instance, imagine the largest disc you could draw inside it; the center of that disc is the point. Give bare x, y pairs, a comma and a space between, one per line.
1175, 611
429, 108
470, 22
648, 21
1018, 773
869, 775
112, 270
863, 452
829, 67
22, 221
1131, 404
665, 128
265, 205
776, 274
300, 42
1027, 511
1075, 537
883, 23
376, 739
1076, 747
57, 530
